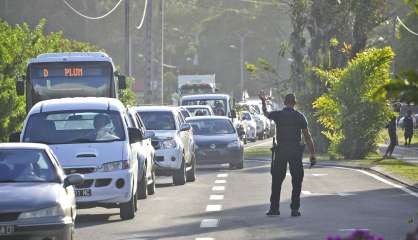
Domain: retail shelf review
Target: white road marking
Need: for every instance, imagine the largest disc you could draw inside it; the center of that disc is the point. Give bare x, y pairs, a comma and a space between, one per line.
344, 194
213, 208
220, 181
216, 197
415, 194
319, 174
218, 188
209, 223
288, 174
306, 192
222, 175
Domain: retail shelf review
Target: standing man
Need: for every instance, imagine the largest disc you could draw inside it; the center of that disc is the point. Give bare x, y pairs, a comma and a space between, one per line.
408, 122
290, 123
393, 137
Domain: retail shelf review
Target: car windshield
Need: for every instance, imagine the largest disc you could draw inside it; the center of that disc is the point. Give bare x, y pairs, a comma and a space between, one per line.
158, 120
74, 127
195, 111
218, 105
212, 127
26, 165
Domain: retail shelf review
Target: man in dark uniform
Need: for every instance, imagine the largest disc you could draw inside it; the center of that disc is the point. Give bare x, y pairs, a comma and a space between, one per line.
289, 126
408, 122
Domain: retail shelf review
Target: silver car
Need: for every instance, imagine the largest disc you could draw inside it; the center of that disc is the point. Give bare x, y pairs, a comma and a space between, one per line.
37, 199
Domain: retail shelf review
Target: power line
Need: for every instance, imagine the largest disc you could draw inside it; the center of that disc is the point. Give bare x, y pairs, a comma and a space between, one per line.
92, 18
143, 15
407, 29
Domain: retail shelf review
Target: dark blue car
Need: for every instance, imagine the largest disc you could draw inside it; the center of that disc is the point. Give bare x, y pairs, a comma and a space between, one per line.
216, 141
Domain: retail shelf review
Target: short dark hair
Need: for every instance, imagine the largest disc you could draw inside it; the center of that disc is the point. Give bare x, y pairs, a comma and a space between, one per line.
290, 99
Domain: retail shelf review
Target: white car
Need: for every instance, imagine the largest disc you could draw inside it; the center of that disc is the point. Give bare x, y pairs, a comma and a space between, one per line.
173, 142
200, 110
91, 136
146, 166
251, 124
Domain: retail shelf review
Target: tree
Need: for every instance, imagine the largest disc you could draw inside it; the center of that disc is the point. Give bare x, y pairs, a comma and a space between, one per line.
349, 111
407, 47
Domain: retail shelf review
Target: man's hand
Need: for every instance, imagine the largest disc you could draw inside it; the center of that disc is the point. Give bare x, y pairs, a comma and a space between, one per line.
312, 159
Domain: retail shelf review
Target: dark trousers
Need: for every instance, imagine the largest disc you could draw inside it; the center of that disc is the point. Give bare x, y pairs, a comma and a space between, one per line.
292, 154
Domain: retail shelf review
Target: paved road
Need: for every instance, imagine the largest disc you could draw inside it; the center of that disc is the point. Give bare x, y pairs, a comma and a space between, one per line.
230, 204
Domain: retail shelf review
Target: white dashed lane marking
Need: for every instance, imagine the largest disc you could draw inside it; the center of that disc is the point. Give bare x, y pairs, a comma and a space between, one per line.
216, 197
220, 181
222, 175
213, 208
218, 188
306, 193
209, 223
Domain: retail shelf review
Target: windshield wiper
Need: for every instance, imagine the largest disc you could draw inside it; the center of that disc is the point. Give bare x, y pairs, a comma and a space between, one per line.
80, 140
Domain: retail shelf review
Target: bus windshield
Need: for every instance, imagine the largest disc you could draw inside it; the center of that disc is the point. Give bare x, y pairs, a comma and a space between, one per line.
70, 79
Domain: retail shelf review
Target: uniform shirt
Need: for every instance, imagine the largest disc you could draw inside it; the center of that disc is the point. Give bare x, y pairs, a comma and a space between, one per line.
289, 124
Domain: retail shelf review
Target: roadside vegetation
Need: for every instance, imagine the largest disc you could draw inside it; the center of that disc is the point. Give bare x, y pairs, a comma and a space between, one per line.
18, 44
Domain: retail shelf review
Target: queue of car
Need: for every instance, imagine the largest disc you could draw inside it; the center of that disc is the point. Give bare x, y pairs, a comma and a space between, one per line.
90, 152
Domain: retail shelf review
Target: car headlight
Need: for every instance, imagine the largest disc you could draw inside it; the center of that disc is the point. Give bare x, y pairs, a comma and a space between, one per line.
167, 144
114, 166
234, 144
55, 211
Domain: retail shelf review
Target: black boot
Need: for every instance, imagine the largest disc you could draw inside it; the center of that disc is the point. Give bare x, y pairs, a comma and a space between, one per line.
273, 212
295, 213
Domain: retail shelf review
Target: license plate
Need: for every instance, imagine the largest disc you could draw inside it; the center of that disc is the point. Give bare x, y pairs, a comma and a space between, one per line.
83, 192
6, 230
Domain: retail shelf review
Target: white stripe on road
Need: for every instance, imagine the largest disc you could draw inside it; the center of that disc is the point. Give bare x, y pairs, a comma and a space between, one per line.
218, 188
213, 208
345, 194
222, 175
220, 181
353, 229
415, 194
209, 223
306, 193
319, 174
216, 197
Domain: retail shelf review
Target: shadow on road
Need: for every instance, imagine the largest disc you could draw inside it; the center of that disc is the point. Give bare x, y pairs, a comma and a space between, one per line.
87, 220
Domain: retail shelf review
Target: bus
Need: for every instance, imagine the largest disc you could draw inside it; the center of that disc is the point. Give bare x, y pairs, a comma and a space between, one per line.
69, 74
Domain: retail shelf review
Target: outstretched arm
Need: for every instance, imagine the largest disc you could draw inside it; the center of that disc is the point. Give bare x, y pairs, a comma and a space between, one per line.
262, 97
311, 146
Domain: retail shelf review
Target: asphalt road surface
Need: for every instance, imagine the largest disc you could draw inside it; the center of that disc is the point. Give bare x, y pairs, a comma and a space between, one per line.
231, 204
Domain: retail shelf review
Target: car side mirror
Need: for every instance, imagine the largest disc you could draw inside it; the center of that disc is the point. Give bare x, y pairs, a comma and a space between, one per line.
233, 114
73, 179
15, 137
148, 134
20, 87
135, 135
185, 127
122, 82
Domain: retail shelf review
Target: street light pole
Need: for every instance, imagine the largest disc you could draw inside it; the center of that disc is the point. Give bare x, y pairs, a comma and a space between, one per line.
128, 65
162, 50
242, 41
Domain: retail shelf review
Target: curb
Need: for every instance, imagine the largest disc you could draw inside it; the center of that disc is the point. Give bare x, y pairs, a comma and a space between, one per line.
381, 173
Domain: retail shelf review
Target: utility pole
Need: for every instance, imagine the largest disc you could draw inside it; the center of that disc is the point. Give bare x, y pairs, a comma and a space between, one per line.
162, 50
128, 64
148, 55
241, 55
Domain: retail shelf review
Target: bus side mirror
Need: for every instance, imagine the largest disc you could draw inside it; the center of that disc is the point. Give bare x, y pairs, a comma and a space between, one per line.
20, 87
121, 82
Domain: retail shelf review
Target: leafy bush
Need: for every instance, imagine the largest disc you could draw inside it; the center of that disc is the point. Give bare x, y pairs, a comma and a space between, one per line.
17, 45
349, 111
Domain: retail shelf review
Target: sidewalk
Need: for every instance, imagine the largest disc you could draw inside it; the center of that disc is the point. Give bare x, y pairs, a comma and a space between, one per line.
407, 154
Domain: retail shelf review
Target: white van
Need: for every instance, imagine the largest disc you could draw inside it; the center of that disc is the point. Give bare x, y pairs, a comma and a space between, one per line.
91, 136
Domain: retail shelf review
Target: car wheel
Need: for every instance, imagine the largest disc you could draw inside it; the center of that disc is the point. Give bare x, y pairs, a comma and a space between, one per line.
127, 210
142, 186
191, 174
151, 187
179, 176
